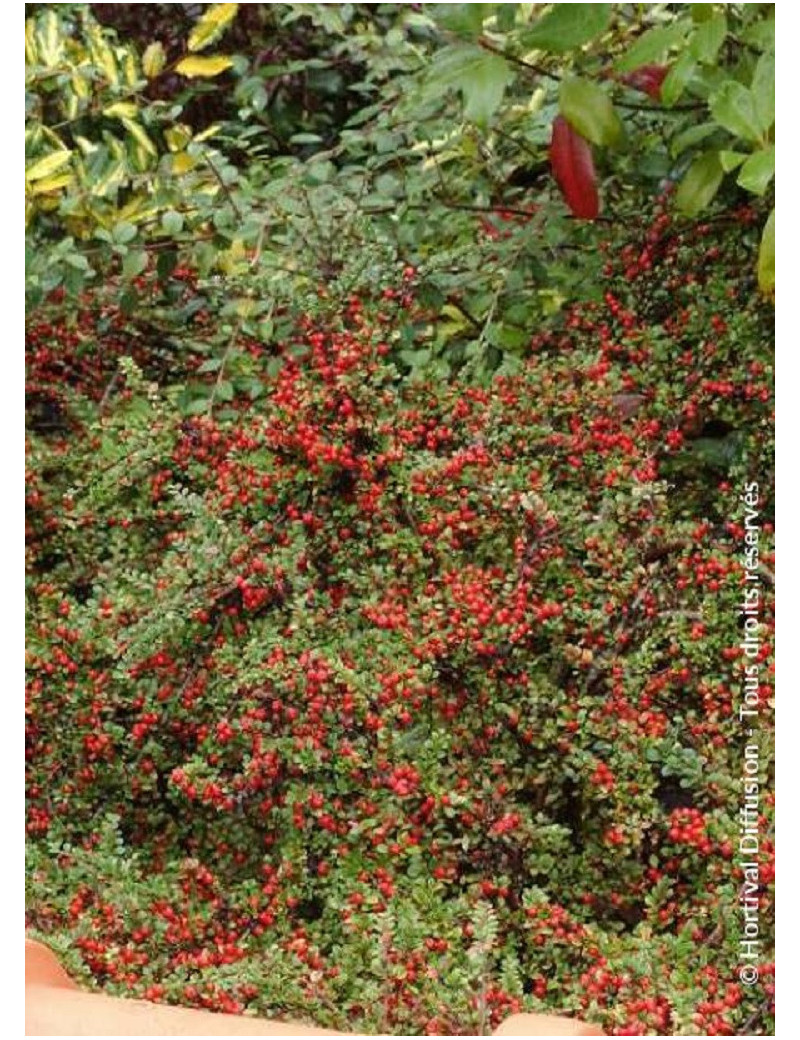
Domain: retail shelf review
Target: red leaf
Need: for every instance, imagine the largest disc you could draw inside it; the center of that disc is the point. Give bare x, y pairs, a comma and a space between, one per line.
648, 79
573, 169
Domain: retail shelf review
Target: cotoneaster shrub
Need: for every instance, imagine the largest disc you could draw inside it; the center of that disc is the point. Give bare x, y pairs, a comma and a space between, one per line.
404, 705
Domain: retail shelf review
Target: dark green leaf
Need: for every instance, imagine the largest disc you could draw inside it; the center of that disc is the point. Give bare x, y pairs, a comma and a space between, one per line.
464, 19
652, 45
567, 26
481, 78
692, 136
700, 184
166, 264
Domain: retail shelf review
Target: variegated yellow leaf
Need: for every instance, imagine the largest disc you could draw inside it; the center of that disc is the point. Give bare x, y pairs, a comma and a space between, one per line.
182, 162
103, 55
53, 138
79, 86
47, 166
31, 50
153, 60
204, 68
138, 133
61, 180
211, 26
116, 147
49, 40
131, 70
139, 208
178, 136
121, 110
208, 132
110, 180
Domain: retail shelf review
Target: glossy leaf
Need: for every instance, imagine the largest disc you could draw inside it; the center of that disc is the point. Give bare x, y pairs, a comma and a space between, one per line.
47, 166
203, 68
588, 108
708, 37
699, 184
677, 79
211, 26
139, 135
567, 26
730, 160
734, 108
480, 77
758, 171
121, 110
153, 60
463, 19
484, 91
652, 46
763, 90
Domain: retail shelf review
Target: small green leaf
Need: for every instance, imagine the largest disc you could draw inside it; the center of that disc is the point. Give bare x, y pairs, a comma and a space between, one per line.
567, 26
733, 107
484, 91
652, 45
123, 232
677, 79
758, 171
480, 77
172, 222
763, 90
589, 110
134, 263
761, 34
708, 37
463, 19
766, 256
700, 184
731, 160
692, 136
225, 391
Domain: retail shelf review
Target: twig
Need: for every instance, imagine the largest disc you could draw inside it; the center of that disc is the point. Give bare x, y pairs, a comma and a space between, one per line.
226, 190
108, 391
231, 344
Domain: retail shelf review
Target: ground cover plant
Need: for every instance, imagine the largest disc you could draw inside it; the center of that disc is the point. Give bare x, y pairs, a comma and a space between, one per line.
385, 577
